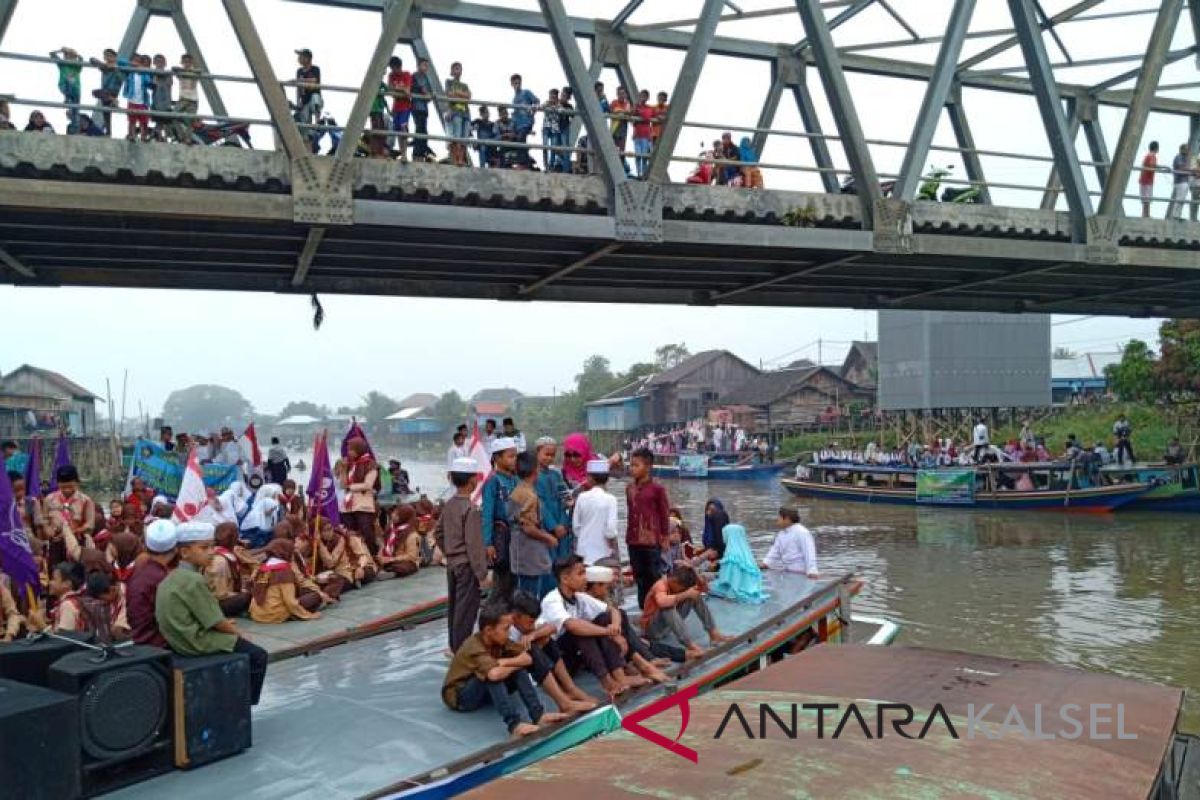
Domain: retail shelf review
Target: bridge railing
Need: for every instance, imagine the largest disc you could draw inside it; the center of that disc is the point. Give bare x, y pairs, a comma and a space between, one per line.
317, 130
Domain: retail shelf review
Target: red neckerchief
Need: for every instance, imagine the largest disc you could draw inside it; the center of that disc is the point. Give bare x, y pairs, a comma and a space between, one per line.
226, 554
393, 538
280, 567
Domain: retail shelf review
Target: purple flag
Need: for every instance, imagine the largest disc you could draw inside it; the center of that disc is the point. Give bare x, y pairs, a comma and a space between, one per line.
33, 469
16, 555
356, 431
322, 492
62, 458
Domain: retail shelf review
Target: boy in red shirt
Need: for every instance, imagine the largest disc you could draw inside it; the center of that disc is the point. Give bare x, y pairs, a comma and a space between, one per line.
1146, 178
643, 118
647, 532
400, 83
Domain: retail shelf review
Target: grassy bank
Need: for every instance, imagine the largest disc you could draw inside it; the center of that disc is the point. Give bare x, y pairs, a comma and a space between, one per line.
1152, 429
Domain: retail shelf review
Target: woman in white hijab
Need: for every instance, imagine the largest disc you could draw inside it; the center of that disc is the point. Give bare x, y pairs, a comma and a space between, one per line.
258, 524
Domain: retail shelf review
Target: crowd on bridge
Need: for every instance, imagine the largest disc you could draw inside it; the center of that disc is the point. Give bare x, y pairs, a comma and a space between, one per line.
398, 118
529, 546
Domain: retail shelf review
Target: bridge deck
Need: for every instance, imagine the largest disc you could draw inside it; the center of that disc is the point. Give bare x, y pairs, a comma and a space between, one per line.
94, 212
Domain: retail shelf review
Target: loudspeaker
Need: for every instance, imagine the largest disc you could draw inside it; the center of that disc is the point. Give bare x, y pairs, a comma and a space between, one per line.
124, 719
212, 707
39, 742
28, 660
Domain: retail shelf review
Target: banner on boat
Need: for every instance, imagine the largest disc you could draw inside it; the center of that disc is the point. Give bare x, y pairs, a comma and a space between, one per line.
946, 487
163, 470
693, 466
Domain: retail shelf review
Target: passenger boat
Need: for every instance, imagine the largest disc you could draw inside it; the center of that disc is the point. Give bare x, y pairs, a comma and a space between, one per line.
716, 468
1044, 486
1173, 487
763, 735
361, 715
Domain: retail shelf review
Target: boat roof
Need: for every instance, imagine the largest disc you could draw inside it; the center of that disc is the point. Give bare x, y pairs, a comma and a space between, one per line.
853, 766
367, 714
1016, 466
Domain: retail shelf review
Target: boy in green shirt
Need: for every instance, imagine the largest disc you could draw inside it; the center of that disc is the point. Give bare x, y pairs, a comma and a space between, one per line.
189, 616
70, 65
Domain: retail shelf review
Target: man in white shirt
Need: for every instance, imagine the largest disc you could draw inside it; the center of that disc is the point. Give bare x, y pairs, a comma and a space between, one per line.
980, 439
794, 549
460, 448
229, 452
586, 630
595, 517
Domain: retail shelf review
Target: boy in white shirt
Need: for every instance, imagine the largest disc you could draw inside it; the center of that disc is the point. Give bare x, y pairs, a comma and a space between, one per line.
595, 517
794, 549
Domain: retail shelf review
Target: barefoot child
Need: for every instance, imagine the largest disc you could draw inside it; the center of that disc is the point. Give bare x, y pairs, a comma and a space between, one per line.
488, 667
548, 669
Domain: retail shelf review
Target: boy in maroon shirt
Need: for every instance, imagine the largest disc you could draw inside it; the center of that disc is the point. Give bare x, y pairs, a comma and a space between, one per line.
648, 525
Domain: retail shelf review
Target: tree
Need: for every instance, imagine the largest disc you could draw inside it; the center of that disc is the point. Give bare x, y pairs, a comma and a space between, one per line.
1178, 368
377, 406
304, 408
1062, 353
206, 407
670, 355
1133, 378
638, 371
450, 409
596, 379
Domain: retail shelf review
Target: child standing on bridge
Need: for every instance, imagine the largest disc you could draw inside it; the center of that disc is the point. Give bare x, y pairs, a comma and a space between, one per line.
70, 65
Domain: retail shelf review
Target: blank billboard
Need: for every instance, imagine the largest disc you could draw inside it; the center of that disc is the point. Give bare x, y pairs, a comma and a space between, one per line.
946, 359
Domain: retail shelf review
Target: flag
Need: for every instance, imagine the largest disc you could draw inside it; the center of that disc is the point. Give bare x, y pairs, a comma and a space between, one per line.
62, 458
192, 495
483, 461
249, 444
16, 554
322, 491
356, 431
33, 469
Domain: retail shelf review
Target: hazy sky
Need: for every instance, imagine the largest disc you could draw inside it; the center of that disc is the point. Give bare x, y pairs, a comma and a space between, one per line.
263, 344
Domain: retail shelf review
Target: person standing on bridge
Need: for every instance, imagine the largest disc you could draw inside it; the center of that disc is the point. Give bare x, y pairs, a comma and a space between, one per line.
137, 98
1146, 178
422, 91
524, 105
189, 98
643, 132
400, 85
1180, 173
458, 118
70, 66
111, 80
620, 112
308, 94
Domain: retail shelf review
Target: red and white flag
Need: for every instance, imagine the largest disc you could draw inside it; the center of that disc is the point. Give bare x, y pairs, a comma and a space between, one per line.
192, 497
483, 461
249, 445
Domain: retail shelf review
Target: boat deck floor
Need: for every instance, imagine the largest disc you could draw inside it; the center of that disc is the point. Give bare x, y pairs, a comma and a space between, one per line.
855, 765
366, 714
386, 600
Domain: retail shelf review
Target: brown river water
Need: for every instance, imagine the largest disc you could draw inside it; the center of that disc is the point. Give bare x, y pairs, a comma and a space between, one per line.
1115, 593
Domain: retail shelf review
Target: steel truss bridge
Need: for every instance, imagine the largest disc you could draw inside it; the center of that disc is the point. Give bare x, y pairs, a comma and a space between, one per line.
98, 212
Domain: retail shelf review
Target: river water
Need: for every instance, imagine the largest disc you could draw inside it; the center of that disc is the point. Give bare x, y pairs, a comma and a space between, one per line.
1116, 593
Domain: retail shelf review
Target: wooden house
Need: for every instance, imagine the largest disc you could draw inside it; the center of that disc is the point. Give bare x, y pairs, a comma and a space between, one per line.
796, 399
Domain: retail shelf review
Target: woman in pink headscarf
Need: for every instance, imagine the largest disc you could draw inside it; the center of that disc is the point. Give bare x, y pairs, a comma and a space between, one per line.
577, 451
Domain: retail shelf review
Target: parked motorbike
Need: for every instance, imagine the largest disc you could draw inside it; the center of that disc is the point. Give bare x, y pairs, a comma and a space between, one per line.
886, 188
932, 181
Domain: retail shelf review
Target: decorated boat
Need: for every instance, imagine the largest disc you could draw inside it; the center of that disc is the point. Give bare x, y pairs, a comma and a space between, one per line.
365, 718
1173, 487
1047, 486
713, 467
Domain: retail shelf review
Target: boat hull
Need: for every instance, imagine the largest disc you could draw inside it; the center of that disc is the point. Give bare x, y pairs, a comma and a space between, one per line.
1184, 502
757, 472
1096, 500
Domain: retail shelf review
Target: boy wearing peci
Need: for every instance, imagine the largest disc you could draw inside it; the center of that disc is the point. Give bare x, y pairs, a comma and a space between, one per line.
459, 534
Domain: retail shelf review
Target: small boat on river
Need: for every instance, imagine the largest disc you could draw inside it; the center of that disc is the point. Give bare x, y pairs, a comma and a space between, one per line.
715, 467
1048, 486
1173, 487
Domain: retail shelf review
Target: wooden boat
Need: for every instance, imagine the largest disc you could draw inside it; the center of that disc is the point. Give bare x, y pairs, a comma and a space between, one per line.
821, 606
716, 467
1021, 748
368, 711
1173, 487
1052, 486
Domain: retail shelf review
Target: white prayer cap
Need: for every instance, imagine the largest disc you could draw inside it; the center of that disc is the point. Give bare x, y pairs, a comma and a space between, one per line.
597, 574
160, 500
161, 536
502, 444
467, 466
190, 532
597, 466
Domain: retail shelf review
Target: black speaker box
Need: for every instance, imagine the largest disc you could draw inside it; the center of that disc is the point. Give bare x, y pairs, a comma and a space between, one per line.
28, 660
212, 707
124, 719
39, 742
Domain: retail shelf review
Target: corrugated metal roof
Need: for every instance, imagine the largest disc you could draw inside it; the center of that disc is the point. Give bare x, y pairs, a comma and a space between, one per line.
1082, 366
